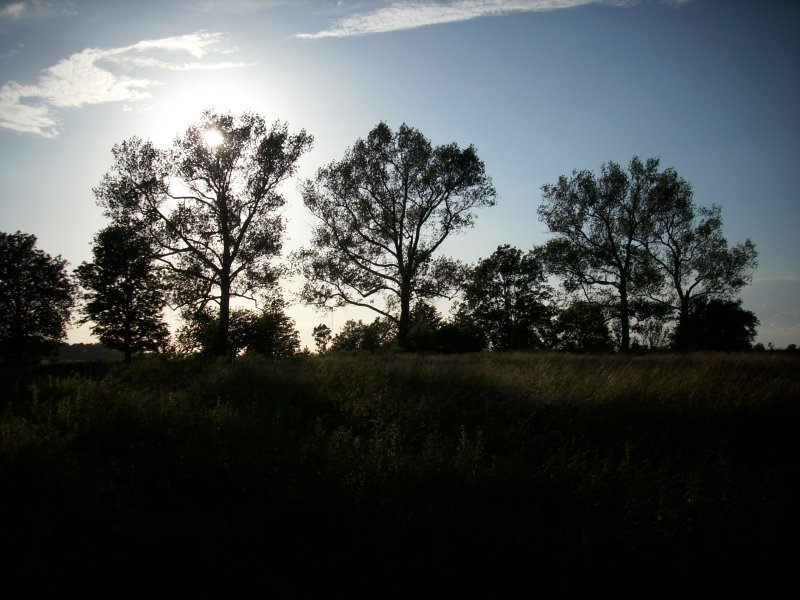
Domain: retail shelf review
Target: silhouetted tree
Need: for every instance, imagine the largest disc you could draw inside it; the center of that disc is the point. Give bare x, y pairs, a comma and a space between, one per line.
717, 324
687, 244
209, 206
459, 335
370, 337
600, 223
36, 297
123, 293
269, 332
582, 327
423, 335
322, 337
384, 211
506, 295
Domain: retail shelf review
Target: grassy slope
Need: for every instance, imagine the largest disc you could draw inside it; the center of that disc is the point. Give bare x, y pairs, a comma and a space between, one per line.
458, 476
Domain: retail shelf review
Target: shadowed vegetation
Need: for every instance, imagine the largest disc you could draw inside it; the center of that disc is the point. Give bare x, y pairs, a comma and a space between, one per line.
469, 475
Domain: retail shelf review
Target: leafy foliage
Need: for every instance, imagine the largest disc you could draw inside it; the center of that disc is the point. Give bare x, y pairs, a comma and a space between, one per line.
124, 294
379, 335
717, 324
322, 337
384, 211
688, 246
582, 327
269, 332
210, 210
36, 297
600, 222
507, 296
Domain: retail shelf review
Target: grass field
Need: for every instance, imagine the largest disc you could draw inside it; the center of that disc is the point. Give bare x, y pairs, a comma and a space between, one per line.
484, 475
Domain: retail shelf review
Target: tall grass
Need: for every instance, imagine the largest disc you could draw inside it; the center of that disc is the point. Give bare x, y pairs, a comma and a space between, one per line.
458, 476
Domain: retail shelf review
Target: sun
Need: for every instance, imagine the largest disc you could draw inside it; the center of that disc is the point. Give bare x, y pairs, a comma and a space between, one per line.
212, 138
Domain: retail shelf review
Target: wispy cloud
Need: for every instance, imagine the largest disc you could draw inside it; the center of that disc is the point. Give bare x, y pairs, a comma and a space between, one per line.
101, 75
236, 6
36, 8
13, 11
414, 14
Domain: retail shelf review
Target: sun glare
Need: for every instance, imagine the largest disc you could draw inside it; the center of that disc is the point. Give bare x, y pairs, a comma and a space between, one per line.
212, 138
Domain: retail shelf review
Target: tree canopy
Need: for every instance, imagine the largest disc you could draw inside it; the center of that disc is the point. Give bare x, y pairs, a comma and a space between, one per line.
124, 295
717, 324
209, 206
507, 296
600, 222
384, 210
36, 297
688, 246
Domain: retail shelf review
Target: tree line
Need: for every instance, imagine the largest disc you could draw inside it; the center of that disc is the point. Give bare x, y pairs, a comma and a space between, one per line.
632, 262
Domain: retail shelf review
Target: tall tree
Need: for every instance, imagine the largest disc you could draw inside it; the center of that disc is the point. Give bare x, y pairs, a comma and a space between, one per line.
36, 297
506, 295
209, 206
687, 244
600, 222
384, 211
123, 292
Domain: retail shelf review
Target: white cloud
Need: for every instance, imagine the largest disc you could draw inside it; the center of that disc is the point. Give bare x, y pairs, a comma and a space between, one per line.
37, 8
89, 77
13, 11
414, 14
235, 6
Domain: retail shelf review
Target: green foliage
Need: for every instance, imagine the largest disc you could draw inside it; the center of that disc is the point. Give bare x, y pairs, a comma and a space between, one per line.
36, 297
384, 210
123, 292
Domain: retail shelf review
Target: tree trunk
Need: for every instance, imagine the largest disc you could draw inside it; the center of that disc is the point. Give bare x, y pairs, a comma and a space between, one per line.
127, 333
624, 317
682, 333
404, 325
223, 345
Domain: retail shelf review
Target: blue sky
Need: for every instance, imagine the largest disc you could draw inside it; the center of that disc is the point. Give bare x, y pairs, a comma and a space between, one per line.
540, 87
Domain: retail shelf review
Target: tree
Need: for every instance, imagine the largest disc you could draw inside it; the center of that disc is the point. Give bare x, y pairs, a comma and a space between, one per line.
36, 297
687, 244
123, 292
209, 206
582, 327
370, 337
269, 332
322, 337
505, 295
384, 211
718, 324
600, 223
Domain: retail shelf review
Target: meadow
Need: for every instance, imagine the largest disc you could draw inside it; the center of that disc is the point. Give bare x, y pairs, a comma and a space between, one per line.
485, 475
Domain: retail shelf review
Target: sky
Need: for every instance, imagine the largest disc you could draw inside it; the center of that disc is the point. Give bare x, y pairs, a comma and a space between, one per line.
539, 87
